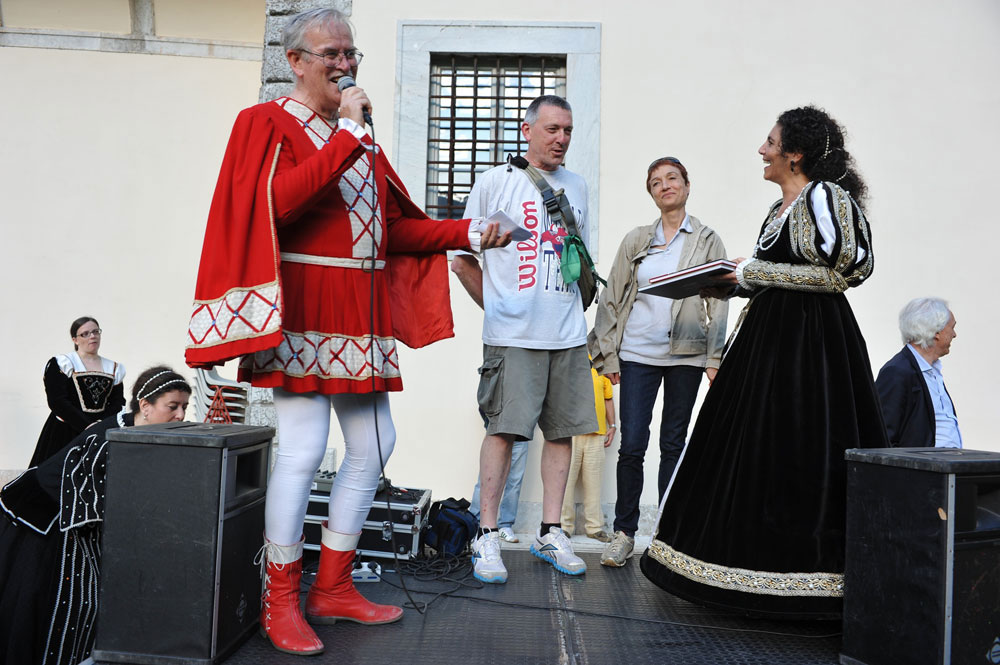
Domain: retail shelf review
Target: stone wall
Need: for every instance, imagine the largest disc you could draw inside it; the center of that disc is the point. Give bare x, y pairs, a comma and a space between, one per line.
275, 75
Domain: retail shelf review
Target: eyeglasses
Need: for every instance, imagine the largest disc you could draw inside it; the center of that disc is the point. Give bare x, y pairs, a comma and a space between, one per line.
90, 333
353, 56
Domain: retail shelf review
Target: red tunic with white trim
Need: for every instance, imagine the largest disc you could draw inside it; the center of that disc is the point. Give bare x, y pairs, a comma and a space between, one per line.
287, 278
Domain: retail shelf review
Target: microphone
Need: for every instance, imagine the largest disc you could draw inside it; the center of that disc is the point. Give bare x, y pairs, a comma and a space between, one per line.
346, 82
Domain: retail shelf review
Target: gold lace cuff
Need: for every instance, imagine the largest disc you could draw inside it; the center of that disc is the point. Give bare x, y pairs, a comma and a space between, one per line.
757, 274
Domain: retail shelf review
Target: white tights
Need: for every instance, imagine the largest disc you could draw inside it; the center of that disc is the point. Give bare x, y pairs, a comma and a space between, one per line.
304, 425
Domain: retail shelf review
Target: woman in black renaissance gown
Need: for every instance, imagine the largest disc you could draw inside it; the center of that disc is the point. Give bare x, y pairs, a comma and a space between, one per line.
754, 517
81, 388
50, 534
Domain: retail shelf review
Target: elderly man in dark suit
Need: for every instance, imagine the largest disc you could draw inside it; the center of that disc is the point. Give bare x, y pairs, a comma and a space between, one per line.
917, 408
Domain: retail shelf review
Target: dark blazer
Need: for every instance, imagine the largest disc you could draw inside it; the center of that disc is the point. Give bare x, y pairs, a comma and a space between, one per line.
906, 402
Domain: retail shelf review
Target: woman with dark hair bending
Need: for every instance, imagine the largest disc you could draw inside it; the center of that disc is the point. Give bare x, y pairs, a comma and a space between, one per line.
753, 519
81, 388
50, 533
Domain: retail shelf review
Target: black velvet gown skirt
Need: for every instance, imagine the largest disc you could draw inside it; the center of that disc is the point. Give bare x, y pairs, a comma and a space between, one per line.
754, 519
29, 581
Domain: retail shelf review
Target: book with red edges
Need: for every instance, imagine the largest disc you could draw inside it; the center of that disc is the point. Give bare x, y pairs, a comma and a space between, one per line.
690, 281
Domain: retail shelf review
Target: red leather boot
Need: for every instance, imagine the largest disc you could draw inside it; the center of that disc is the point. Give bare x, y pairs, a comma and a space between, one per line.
281, 620
333, 597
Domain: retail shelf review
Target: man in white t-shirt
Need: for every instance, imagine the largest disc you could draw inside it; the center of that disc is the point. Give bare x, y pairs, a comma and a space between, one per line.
535, 366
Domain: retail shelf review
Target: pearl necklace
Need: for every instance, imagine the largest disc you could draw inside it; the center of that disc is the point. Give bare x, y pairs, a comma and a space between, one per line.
770, 234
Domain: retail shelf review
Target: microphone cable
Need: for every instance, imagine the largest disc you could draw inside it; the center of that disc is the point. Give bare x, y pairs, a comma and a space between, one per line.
371, 352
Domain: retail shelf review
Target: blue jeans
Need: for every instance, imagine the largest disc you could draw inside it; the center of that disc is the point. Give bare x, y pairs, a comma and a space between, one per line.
511, 490
639, 385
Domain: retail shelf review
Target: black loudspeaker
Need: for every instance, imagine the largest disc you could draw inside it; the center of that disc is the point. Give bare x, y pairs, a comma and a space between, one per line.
184, 517
922, 570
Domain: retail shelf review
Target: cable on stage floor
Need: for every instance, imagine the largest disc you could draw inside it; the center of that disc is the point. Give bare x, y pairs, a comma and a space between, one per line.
456, 570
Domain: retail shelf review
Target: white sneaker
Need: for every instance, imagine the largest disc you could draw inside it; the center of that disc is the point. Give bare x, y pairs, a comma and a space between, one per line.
555, 548
486, 562
506, 533
618, 551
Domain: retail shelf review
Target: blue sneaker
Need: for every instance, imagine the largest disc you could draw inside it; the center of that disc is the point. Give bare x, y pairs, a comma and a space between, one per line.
486, 562
555, 548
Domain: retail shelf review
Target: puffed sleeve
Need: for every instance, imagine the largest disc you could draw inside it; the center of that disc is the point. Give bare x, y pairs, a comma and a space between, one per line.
63, 402
829, 235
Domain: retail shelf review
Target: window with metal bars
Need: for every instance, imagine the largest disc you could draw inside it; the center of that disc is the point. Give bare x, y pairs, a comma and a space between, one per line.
477, 103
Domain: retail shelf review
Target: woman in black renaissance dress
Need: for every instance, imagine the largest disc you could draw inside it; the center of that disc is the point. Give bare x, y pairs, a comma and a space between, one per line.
50, 534
754, 517
81, 388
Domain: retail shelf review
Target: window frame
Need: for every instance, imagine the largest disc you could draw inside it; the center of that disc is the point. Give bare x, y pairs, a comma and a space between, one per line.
579, 42
492, 73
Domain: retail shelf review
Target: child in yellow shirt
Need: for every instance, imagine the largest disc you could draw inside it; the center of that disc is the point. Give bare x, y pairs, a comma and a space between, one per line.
588, 462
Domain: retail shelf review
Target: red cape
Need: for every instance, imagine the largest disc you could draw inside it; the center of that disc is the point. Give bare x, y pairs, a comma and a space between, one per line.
238, 300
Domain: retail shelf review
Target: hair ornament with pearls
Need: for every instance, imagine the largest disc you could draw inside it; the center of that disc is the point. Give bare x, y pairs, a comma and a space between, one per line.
138, 393
142, 394
826, 150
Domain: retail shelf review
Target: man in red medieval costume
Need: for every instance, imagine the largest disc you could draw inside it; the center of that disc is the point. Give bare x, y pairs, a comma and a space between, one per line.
312, 283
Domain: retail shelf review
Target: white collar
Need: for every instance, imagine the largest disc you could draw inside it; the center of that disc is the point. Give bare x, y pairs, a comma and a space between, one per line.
922, 362
660, 239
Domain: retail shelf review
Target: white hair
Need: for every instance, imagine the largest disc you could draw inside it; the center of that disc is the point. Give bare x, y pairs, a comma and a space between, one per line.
293, 37
921, 319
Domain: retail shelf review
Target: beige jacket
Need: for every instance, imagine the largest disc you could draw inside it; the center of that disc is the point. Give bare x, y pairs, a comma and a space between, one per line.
697, 325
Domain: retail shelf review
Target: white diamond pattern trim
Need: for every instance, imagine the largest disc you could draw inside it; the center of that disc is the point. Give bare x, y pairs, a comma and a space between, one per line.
316, 127
330, 356
357, 186
239, 314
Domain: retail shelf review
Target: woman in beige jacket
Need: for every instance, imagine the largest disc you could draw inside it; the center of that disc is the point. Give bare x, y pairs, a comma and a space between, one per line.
641, 340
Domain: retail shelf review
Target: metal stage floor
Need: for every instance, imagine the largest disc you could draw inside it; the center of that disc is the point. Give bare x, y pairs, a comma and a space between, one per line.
542, 617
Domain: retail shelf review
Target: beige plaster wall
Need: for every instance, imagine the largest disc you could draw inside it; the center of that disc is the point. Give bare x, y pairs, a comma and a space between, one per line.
105, 191
106, 181
229, 20
89, 16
